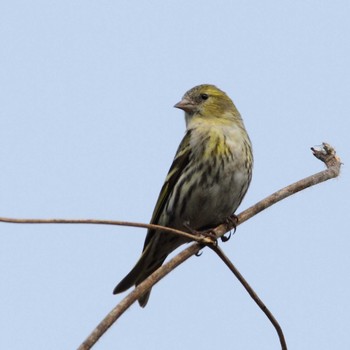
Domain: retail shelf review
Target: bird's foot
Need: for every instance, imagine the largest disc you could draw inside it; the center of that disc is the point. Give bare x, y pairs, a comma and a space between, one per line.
231, 221
225, 238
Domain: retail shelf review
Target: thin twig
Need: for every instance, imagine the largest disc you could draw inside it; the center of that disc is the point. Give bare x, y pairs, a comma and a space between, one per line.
192, 237
251, 292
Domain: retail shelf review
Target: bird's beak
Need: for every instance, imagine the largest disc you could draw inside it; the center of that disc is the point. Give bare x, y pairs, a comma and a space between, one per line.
185, 104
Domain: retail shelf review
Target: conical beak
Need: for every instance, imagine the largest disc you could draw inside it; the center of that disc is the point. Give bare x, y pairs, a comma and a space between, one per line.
185, 104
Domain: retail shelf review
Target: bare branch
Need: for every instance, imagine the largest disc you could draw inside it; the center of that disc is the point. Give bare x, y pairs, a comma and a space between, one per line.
327, 154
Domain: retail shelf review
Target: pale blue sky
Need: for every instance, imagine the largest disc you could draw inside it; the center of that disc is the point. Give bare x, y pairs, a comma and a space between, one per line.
87, 130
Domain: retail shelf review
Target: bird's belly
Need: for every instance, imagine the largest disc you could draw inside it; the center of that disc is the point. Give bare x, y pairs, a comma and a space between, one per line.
209, 207
211, 202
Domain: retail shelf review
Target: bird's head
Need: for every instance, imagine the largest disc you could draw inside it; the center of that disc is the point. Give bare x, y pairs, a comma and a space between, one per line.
207, 102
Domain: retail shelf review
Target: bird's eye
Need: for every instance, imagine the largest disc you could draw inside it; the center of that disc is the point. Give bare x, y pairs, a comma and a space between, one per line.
204, 96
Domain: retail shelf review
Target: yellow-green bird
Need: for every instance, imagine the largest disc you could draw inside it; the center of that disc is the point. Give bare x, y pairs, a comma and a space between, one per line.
206, 183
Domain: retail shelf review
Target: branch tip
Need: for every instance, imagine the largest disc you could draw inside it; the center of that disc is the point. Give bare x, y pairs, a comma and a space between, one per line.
327, 154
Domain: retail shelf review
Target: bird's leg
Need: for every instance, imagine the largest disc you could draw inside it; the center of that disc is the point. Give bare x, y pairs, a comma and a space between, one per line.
232, 220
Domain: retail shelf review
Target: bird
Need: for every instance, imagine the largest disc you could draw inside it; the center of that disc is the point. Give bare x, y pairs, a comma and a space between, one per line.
206, 183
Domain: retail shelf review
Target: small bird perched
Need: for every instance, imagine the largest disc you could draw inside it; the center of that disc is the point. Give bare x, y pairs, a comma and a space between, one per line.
206, 183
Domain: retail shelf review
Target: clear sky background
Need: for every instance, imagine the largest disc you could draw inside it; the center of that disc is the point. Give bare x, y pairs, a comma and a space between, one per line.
88, 130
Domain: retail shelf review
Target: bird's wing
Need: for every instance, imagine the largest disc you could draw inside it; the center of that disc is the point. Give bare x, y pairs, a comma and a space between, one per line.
180, 162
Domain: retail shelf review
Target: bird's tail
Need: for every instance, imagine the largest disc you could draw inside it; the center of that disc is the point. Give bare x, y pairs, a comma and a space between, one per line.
146, 265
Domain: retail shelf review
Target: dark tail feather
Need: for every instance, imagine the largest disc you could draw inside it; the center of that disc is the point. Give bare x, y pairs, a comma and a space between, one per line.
132, 278
143, 268
129, 280
143, 300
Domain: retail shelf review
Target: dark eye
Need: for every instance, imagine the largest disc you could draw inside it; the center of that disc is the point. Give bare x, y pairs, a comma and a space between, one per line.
204, 96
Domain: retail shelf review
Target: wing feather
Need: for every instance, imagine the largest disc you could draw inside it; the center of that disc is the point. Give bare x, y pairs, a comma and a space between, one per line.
180, 162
